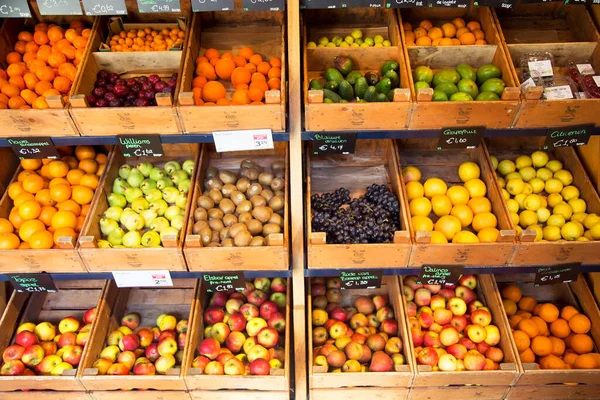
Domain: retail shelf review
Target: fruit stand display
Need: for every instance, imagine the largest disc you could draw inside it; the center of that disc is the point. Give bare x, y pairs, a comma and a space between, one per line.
456, 212
144, 205
553, 222
254, 205
44, 339
357, 341
369, 177
235, 59
565, 34
11, 163
474, 354
335, 74
555, 330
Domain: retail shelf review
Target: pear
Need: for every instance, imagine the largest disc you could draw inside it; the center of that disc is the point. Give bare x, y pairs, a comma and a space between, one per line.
160, 206
119, 186
149, 216
124, 171
188, 166
147, 185
132, 239
145, 168
184, 186
179, 176
158, 224
134, 222
135, 178
163, 183
140, 204
170, 194
113, 212
157, 173
172, 212
151, 239
181, 200
107, 225
104, 244
171, 167
168, 233
117, 200
153, 195
116, 236
133, 193
177, 222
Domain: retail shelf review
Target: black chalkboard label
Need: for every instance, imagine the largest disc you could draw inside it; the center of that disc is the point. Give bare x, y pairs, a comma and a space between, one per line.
439, 274
224, 281
562, 273
263, 5
362, 3
405, 3
33, 147
567, 136
14, 9
505, 4
60, 7
449, 3
334, 143
460, 137
365, 279
32, 283
140, 145
104, 7
158, 6
212, 5
320, 3
537, 1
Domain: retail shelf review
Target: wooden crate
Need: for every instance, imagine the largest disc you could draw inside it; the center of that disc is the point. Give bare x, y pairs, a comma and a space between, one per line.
10, 163
444, 164
487, 384
170, 256
179, 300
56, 120
73, 298
536, 383
63, 259
140, 395
320, 116
528, 252
273, 256
569, 34
428, 114
160, 119
276, 386
384, 385
374, 162
265, 33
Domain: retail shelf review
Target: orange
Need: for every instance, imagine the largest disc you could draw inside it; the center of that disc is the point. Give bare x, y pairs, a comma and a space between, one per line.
15, 189
570, 358
214, 61
567, 341
240, 75
55, 59
522, 340
85, 209
527, 303
29, 228
62, 84
541, 346
529, 327
258, 77
100, 169
274, 83
275, 62
211, 53
74, 176
58, 181
274, 72
40, 103
199, 82
64, 219
69, 205
255, 59
69, 52
25, 36
67, 70
101, 158
90, 166
262, 85
224, 68
423, 41
60, 193
239, 61
33, 183
223, 102
246, 52
201, 59
80, 221
85, 152
582, 343
226, 56
58, 169
197, 95
585, 361
42, 86
5, 226
24, 174
467, 38
40, 37
551, 362
46, 215
514, 320
30, 209
41, 240
473, 26
15, 218
548, 312
560, 328
15, 70
213, 91
45, 74
16, 102
29, 96
257, 103
567, 312
80, 42
263, 67
82, 194
256, 94
558, 346
18, 81
10, 90
240, 97
63, 232
527, 356
22, 198
542, 326
250, 67
31, 164
9, 241
580, 323
206, 70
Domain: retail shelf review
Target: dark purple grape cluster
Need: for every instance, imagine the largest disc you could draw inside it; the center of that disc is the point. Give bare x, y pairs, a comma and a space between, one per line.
112, 91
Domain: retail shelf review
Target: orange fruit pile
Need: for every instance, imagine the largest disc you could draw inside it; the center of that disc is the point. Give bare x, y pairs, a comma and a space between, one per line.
146, 39
552, 337
250, 77
43, 63
453, 33
51, 198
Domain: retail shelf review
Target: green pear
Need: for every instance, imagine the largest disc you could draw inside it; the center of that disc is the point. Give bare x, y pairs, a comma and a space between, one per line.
124, 171
135, 178
107, 225
151, 239
116, 236
157, 173
145, 168
113, 212
171, 167
133, 193
117, 200
132, 239
188, 166
158, 224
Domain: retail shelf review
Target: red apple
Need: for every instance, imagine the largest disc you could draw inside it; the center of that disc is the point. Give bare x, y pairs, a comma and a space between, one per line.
411, 281
442, 316
495, 354
200, 362
89, 316
13, 352
67, 339
267, 337
69, 324
118, 369
209, 348
164, 363
102, 365
132, 321
49, 348
474, 361
277, 322
458, 350
449, 336
468, 343
26, 339
152, 352
390, 326
129, 342
425, 319
422, 297
235, 341
260, 367
427, 356
381, 362
476, 333
459, 322
249, 311
465, 293
233, 366
145, 368
12, 368
146, 337
214, 368
33, 355
257, 297
481, 317
469, 281
128, 359
167, 346
431, 339
279, 285
213, 314
218, 299
457, 306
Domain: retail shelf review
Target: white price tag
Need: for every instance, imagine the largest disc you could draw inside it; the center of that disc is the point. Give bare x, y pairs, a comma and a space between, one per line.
142, 278
540, 68
528, 83
585, 69
597, 80
256, 139
558, 92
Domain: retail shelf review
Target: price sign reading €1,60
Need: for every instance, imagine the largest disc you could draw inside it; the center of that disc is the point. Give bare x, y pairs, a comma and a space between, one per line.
33, 147
334, 143
224, 281
567, 136
140, 145
366, 279
557, 274
439, 274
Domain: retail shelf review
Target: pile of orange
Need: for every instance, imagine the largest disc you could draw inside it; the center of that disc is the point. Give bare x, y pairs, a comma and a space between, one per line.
250, 77
146, 39
43, 63
51, 198
544, 334
455, 33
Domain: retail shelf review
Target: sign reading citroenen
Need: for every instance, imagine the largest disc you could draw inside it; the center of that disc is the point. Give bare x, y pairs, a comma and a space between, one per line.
140, 145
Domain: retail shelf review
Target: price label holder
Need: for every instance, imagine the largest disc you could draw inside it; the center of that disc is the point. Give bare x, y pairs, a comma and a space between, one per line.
255, 139
14, 9
439, 274
264, 5
365, 279
59, 7
566, 136
158, 6
362, 3
140, 145
460, 137
405, 3
562, 273
320, 4
32, 283
505, 4
224, 281
158, 278
334, 143
104, 7
212, 5
33, 147
449, 3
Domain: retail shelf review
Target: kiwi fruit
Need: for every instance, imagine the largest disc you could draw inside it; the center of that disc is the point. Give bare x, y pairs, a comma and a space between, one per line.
276, 203
211, 172
200, 214
279, 193
198, 226
214, 183
278, 165
254, 189
277, 184
242, 184
244, 217
230, 220
205, 202
251, 173
215, 195
227, 243
244, 206
227, 206
215, 237
276, 219
237, 228
214, 244
265, 178
247, 164
227, 177
215, 213
254, 226
216, 224
224, 234
237, 197
271, 228
267, 194
257, 241
205, 235
228, 189
258, 201
263, 214
242, 239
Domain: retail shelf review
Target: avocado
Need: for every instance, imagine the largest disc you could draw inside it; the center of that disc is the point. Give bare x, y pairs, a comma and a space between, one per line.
390, 95
393, 76
353, 77
381, 98
468, 86
333, 96
438, 95
315, 85
421, 85
360, 87
343, 64
327, 101
495, 85
487, 96
332, 74
446, 75
371, 94
384, 86
466, 72
372, 78
332, 85
423, 74
447, 87
486, 72
389, 66
461, 96
346, 91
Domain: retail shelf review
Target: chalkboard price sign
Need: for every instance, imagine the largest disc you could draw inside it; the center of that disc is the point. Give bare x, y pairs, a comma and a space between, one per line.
562, 273
334, 143
460, 137
366, 279
33, 147
224, 281
567, 136
212, 5
32, 283
405, 3
14, 9
439, 274
158, 6
140, 145
362, 3
104, 7
506, 4
263, 5
59, 7
321, 3
449, 3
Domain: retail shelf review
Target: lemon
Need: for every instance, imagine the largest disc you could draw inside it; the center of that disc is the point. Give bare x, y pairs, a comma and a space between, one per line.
420, 206
494, 162
441, 205
595, 231
551, 233
532, 202
582, 239
570, 231
463, 213
544, 201
465, 237
588, 234
543, 214
556, 220
564, 176
484, 220
505, 194
553, 186
591, 220
544, 174
411, 174
458, 195
570, 192
539, 234
505, 167
513, 205
528, 173
476, 187
580, 226
527, 189
523, 162
434, 186
554, 199
513, 175
577, 205
580, 216
414, 190
563, 209
515, 218
421, 223
448, 225
527, 218
488, 235
468, 170
520, 198
554, 165
438, 237
515, 186
502, 182
539, 158
518, 230
537, 185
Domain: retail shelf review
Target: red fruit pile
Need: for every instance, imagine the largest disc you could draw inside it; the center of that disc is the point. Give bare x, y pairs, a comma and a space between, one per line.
39, 350
244, 331
143, 351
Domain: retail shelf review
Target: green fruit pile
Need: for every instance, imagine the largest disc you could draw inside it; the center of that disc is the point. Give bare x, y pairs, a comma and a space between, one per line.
355, 39
147, 204
342, 84
464, 83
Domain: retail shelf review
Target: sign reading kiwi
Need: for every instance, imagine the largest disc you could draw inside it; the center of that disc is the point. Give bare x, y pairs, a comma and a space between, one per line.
405, 3
33, 147
439, 274
14, 9
32, 283
320, 3
263, 5
212, 5
567, 136
449, 3
562, 273
158, 6
140, 145
467, 137
366, 279
60, 7
334, 143
506, 4
224, 281
104, 7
